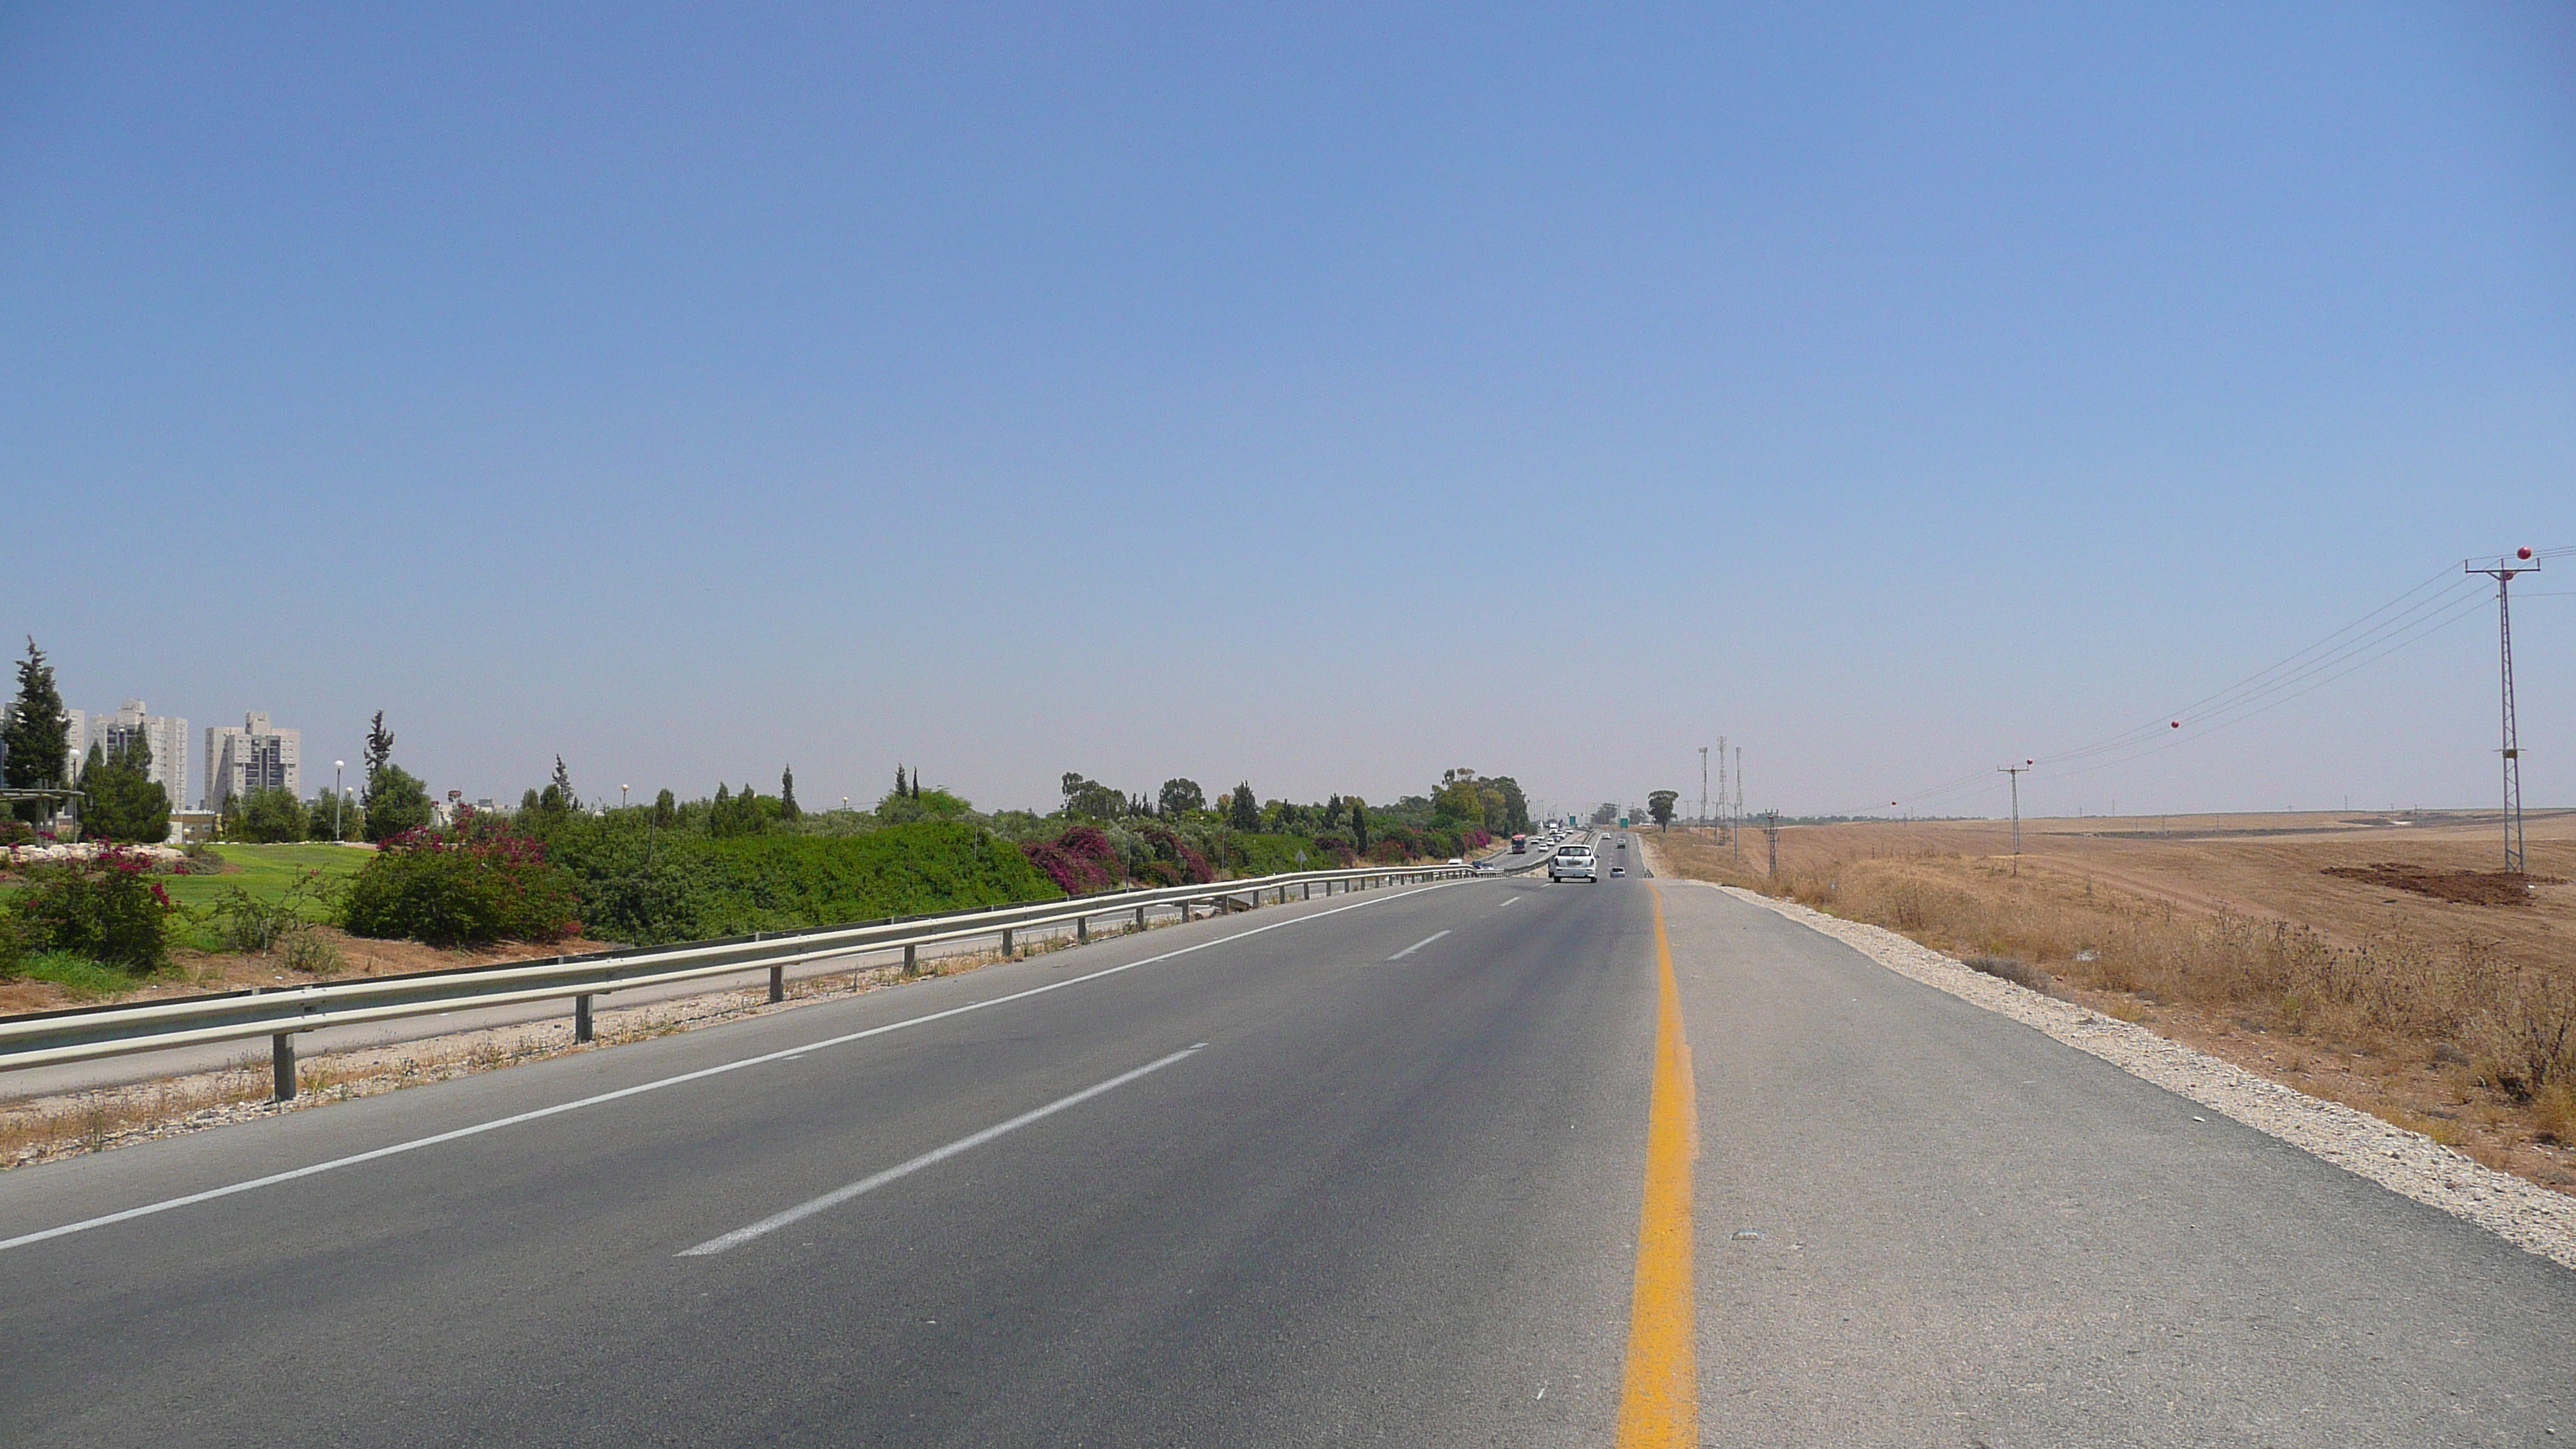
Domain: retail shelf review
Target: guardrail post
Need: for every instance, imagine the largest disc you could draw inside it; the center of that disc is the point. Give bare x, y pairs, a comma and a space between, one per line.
1006, 943
777, 984
581, 1028
281, 1065
1140, 918
1082, 930
911, 961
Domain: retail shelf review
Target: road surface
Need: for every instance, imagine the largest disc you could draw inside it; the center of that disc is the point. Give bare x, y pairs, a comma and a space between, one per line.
1359, 1172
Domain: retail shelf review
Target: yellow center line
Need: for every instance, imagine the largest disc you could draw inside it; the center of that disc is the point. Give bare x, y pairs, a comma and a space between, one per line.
1659, 1401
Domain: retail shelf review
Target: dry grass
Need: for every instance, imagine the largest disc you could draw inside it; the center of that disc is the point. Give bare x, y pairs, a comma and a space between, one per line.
2453, 1019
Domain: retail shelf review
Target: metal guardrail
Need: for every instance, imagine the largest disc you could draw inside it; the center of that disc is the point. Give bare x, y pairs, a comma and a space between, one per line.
279, 1013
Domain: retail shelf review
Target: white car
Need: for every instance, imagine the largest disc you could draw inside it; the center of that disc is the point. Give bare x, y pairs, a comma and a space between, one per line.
1573, 862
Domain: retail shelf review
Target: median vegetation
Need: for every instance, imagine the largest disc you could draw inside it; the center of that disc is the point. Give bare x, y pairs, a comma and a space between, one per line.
733, 862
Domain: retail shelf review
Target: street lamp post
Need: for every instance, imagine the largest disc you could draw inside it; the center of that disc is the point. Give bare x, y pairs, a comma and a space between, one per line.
336, 767
621, 797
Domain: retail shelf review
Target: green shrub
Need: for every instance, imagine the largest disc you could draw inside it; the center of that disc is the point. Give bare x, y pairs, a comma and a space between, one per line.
470, 884
108, 910
651, 886
244, 922
15, 944
81, 978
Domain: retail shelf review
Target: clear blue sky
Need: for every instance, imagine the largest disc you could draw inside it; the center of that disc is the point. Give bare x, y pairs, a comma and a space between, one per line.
1323, 396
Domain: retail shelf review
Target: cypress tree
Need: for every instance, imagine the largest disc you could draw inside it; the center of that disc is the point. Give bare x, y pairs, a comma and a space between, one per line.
36, 736
787, 794
395, 800
1359, 823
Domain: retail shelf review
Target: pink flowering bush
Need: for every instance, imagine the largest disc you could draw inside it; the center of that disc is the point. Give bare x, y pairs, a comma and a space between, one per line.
1186, 862
467, 884
108, 909
1080, 861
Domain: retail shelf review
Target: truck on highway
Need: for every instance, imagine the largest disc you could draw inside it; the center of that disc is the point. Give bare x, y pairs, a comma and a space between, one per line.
1520, 845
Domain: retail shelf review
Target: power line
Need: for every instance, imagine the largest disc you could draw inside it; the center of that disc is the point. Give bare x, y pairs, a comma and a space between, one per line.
2428, 608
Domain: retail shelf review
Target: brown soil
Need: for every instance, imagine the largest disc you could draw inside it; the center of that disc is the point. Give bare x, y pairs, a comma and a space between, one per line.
2468, 887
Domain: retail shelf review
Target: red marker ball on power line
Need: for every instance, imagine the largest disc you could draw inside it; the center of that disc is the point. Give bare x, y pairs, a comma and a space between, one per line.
2177, 724
2522, 553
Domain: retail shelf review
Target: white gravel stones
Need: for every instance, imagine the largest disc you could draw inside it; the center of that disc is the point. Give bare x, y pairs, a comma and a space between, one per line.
2523, 1213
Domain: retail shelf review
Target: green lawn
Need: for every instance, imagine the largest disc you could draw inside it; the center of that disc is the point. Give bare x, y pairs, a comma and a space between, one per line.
266, 871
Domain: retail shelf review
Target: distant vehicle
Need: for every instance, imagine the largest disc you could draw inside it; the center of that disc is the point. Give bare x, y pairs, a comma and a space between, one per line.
1573, 862
1520, 845
1623, 844
1618, 870
1457, 860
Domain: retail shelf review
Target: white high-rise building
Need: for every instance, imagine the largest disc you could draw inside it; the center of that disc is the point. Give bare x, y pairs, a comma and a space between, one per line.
166, 736
256, 756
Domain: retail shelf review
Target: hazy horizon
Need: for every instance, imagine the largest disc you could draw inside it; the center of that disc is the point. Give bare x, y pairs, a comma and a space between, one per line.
1314, 397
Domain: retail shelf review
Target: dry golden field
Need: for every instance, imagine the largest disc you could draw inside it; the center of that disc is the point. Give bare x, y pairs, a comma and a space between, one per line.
2283, 943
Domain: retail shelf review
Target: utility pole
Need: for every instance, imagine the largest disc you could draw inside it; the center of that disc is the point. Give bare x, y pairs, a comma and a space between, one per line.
2502, 571
1771, 834
1722, 832
1703, 786
1732, 832
2016, 772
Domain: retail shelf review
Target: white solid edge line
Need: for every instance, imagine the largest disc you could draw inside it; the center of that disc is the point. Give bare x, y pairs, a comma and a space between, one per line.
1418, 945
1507, 900
840, 1195
274, 1178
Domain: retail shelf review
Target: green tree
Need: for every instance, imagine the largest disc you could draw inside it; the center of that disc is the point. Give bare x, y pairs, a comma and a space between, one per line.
1179, 797
123, 803
1359, 823
268, 817
665, 810
1659, 805
1242, 811
395, 799
36, 735
330, 819
1516, 816
1089, 798
1460, 800
562, 787
787, 795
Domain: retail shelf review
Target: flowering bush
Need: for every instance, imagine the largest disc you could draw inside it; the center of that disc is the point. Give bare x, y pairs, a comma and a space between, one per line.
1192, 867
1080, 861
467, 884
106, 908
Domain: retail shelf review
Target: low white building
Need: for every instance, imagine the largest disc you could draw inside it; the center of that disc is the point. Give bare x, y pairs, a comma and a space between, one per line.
257, 756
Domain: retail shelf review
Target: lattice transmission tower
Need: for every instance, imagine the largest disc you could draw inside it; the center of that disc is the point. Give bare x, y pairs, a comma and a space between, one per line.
2502, 571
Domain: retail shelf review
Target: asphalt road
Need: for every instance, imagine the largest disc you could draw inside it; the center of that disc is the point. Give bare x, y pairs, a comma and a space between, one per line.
1358, 1172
